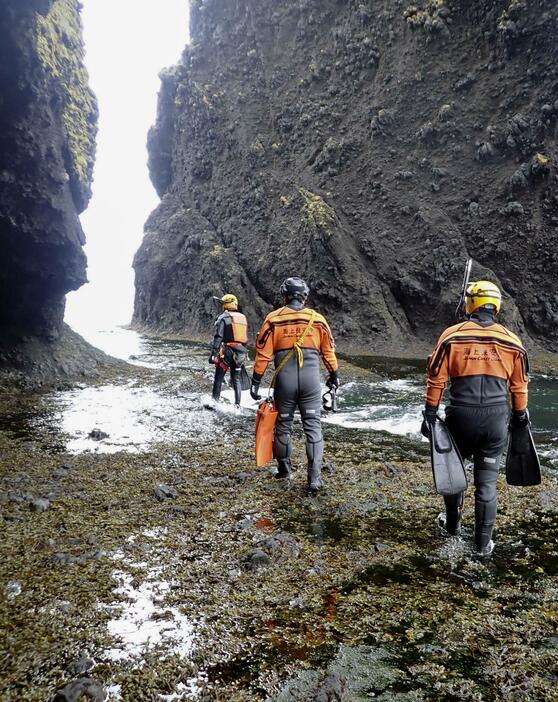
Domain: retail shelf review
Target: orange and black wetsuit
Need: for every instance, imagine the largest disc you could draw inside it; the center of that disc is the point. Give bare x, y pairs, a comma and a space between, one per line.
229, 350
298, 382
485, 364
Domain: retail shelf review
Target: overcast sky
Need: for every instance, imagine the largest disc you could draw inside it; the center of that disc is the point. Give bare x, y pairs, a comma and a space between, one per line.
127, 43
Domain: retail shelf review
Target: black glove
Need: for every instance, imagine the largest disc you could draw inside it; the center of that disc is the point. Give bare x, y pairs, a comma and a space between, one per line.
255, 386
333, 380
430, 413
520, 419
211, 360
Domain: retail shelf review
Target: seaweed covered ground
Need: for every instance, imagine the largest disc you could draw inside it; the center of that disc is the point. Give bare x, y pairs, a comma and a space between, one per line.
179, 571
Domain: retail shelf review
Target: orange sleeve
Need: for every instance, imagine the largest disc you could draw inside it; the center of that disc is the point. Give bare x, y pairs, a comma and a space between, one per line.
327, 347
437, 373
518, 382
264, 348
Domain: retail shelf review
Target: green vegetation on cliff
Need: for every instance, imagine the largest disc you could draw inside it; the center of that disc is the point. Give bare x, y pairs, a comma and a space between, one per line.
61, 51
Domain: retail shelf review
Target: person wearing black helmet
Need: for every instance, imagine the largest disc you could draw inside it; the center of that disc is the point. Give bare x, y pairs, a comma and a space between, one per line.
294, 337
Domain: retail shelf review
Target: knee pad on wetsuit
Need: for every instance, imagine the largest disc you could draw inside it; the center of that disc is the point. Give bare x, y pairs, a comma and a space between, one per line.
282, 446
315, 450
312, 425
486, 476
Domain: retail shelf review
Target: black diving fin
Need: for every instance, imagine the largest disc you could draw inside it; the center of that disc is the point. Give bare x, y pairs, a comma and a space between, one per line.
245, 380
447, 464
522, 461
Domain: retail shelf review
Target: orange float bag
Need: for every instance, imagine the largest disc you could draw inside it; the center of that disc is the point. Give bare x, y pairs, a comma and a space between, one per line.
265, 432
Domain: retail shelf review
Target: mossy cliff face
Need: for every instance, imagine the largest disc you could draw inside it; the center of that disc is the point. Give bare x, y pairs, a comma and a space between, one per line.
369, 146
47, 142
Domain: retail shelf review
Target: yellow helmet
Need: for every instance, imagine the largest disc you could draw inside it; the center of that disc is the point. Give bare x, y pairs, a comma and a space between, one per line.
482, 293
229, 301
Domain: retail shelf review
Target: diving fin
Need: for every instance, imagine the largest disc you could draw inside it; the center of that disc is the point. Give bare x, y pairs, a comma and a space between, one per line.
447, 464
522, 462
245, 381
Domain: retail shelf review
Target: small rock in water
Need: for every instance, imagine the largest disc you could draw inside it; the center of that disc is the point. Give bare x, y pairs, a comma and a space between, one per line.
13, 589
39, 504
165, 492
257, 559
93, 690
98, 435
297, 603
81, 666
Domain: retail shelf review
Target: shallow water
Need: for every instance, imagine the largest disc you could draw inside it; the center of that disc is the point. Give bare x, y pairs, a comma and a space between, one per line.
144, 617
142, 620
136, 417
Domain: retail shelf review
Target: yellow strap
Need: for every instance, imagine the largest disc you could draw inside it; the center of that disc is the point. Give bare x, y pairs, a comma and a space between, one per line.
297, 346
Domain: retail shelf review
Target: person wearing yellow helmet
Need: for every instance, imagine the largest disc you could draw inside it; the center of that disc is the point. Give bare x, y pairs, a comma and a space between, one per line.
485, 365
483, 294
228, 350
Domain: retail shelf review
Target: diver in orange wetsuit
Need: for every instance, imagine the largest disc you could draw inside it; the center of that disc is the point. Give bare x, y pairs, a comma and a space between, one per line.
485, 365
295, 326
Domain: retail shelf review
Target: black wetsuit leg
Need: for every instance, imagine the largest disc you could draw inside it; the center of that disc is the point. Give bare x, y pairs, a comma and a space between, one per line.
286, 399
481, 433
236, 382
300, 387
310, 406
218, 381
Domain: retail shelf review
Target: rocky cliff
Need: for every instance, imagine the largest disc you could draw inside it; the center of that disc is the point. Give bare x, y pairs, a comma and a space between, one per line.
47, 137
47, 142
369, 146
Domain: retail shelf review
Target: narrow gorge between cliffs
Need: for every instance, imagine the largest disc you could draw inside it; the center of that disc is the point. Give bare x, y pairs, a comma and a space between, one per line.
368, 146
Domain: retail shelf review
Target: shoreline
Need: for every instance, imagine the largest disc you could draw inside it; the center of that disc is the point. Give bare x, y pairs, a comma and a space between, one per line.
266, 593
541, 361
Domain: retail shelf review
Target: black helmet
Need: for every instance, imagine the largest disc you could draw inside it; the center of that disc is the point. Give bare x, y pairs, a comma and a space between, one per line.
294, 288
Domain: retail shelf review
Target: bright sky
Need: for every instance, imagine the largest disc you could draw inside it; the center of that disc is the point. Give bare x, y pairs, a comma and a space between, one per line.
127, 42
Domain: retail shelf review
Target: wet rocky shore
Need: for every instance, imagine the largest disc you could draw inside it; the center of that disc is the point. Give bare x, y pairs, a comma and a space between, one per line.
176, 570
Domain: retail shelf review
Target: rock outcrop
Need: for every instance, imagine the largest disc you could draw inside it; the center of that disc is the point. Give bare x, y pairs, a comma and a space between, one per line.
48, 119
47, 139
368, 146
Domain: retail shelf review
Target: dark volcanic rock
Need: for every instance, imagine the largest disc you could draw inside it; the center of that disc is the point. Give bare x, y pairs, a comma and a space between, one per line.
81, 666
39, 504
47, 141
257, 559
82, 688
97, 434
368, 149
165, 492
32, 361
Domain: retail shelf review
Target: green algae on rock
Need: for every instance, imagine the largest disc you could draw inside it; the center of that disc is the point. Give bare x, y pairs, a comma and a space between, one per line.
417, 123
60, 48
47, 133
357, 593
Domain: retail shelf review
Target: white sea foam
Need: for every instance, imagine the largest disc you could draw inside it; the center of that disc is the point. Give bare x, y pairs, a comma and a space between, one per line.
133, 417
141, 619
